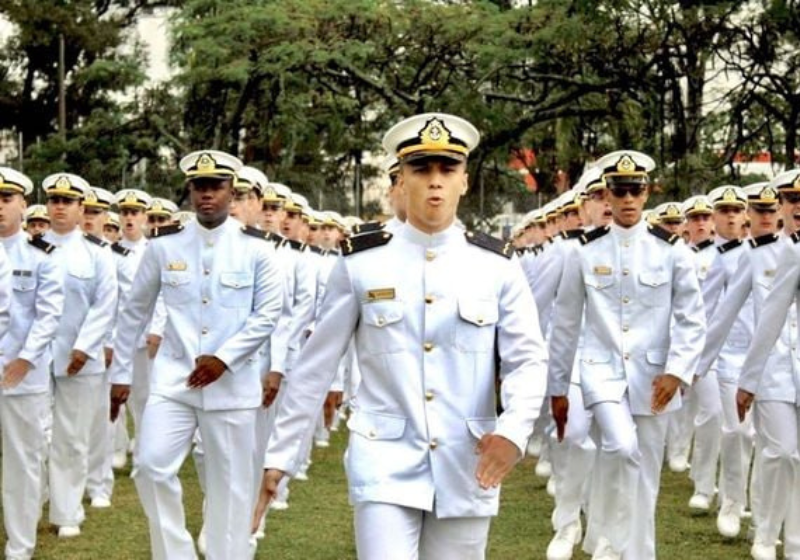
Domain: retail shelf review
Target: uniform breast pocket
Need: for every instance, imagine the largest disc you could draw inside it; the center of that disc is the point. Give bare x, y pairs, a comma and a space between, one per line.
383, 327
24, 287
236, 289
475, 328
596, 365
176, 287
79, 281
655, 289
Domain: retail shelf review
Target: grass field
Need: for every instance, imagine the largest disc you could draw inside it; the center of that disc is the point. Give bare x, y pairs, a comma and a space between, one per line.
318, 523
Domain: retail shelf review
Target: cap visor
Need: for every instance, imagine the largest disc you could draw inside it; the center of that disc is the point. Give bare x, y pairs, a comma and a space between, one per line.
439, 154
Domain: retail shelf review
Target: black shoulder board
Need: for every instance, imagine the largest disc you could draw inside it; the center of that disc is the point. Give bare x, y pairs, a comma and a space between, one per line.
95, 240
661, 233
255, 232
762, 240
39, 242
596, 233
795, 237
333, 252
296, 245
520, 251
316, 250
572, 233
367, 227
166, 230
732, 244
490, 243
120, 250
364, 241
703, 244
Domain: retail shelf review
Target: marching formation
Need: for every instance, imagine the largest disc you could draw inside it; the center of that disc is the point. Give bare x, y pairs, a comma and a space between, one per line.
605, 338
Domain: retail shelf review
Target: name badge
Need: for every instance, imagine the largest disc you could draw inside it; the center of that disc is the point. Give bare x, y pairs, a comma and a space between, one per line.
602, 270
23, 273
380, 294
176, 265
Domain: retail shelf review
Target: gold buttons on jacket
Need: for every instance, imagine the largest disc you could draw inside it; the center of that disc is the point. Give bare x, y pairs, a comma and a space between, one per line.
429, 396
625, 328
206, 272
434, 444
205, 301
381, 320
430, 255
626, 299
205, 330
625, 271
428, 346
429, 299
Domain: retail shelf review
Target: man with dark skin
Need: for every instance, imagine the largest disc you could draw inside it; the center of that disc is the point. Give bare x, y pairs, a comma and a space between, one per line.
223, 293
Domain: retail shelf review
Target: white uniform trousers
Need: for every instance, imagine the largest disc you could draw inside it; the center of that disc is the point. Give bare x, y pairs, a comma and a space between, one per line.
777, 425
100, 480
23, 419
680, 430
736, 447
121, 438
164, 442
706, 409
392, 532
628, 471
75, 408
573, 460
140, 386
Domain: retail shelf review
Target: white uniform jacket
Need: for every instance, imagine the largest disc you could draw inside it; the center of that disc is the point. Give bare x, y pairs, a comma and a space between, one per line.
430, 313
223, 293
784, 289
544, 284
90, 300
632, 283
5, 292
37, 284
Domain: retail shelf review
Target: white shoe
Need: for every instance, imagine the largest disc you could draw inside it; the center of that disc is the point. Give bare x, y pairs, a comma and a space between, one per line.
201, 541
119, 460
700, 502
543, 468
761, 551
534, 446
279, 505
301, 476
604, 551
321, 443
100, 502
334, 428
551, 487
560, 548
131, 445
746, 514
68, 531
729, 518
678, 464
261, 531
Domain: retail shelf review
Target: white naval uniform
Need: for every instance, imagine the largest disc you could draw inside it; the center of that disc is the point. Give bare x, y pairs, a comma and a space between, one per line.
736, 441
37, 303
770, 372
223, 293
81, 401
643, 317
428, 312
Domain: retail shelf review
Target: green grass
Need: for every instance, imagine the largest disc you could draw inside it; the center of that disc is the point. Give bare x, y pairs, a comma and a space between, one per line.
318, 525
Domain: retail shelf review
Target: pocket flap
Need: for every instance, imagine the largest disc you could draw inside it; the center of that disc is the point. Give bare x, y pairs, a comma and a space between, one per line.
373, 425
381, 314
657, 357
598, 282
479, 312
479, 427
653, 279
236, 280
596, 357
174, 278
23, 284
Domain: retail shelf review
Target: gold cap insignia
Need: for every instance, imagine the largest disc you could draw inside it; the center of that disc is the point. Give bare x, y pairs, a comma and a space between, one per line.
673, 211
796, 184
206, 163
435, 133
63, 184
90, 197
39, 213
700, 204
729, 196
157, 206
131, 198
768, 193
626, 164
269, 192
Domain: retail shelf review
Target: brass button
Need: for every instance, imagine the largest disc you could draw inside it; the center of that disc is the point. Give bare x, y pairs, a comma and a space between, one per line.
428, 299
428, 346
174, 283
206, 272
626, 356
434, 444
205, 301
430, 255
625, 271
626, 244
429, 396
626, 299
372, 434
480, 320
625, 328
205, 330
381, 320
209, 243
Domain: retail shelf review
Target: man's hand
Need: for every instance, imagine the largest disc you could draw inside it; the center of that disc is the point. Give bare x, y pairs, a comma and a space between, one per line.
272, 384
559, 407
108, 354
664, 388
332, 403
14, 372
498, 457
77, 360
207, 369
119, 396
744, 401
269, 488
153, 342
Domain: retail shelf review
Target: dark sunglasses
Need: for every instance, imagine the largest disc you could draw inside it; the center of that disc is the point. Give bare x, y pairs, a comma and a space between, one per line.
761, 210
157, 219
791, 197
61, 199
621, 191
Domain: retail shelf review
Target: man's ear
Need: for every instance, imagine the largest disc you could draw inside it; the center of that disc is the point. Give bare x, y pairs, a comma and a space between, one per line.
465, 186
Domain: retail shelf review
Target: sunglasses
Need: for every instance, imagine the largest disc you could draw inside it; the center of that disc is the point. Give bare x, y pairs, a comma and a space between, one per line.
790, 197
61, 200
621, 191
759, 210
157, 219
